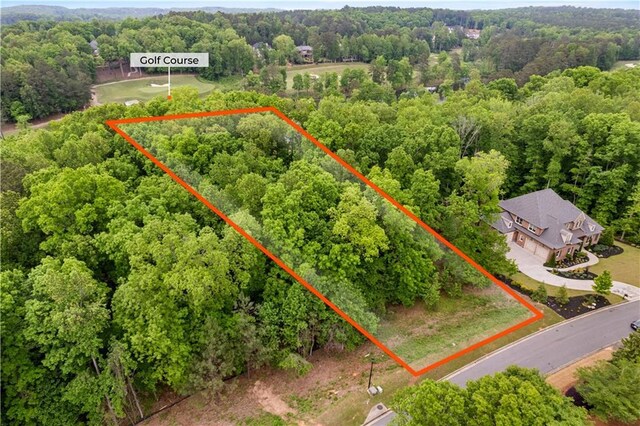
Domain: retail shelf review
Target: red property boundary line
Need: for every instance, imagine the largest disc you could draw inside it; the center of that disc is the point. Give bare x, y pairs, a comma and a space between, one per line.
536, 313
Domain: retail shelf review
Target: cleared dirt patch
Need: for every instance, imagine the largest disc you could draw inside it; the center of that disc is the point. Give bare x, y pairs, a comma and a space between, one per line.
269, 401
566, 377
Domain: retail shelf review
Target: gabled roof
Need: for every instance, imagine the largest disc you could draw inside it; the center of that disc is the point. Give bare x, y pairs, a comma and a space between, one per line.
544, 208
504, 223
547, 210
301, 48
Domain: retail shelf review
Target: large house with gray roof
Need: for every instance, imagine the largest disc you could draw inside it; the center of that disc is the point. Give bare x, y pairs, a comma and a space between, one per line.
546, 225
306, 53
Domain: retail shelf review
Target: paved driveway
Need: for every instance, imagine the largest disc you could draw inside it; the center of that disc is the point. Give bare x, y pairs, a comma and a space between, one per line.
557, 346
531, 265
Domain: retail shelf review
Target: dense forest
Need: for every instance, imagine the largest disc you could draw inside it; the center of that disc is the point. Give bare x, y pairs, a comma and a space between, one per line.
48, 66
108, 266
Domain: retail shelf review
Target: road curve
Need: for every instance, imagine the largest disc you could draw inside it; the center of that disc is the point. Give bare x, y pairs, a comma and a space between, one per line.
557, 346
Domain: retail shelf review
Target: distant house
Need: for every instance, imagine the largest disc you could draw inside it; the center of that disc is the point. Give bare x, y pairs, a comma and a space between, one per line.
94, 46
306, 53
260, 48
546, 225
471, 33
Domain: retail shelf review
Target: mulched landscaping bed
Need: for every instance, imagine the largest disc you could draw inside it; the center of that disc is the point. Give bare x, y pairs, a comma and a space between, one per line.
572, 309
566, 263
606, 251
575, 275
576, 305
578, 400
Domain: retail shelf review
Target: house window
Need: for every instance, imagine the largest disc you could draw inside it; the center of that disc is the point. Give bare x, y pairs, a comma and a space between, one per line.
558, 254
592, 227
570, 251
532, 228
518, 220
520, 238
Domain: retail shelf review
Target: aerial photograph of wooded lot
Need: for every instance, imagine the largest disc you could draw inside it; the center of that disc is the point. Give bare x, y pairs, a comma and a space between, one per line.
348, 215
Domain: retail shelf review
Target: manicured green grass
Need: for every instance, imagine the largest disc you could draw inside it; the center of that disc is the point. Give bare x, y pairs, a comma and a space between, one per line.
421, 336
319, 69
142, 90
624, 267
623, 64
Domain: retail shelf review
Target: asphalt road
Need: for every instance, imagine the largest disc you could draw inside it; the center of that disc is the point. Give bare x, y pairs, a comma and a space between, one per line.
559, 345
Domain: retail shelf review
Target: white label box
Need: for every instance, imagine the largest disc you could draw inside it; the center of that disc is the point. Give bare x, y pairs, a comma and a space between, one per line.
162, 60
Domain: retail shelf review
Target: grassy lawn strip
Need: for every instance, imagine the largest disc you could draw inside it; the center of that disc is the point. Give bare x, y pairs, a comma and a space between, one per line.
623, 64
552, 290
624, 267
142, 90
420, 336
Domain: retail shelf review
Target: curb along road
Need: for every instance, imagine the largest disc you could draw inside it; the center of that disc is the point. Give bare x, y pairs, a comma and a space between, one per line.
556, 346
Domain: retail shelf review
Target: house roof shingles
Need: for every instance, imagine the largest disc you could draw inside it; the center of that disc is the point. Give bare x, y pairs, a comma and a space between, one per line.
547, 210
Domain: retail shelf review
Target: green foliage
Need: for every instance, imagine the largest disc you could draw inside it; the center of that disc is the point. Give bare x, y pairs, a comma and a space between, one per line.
173, 298
540, 294
506, 87
265, 419
612, 389
563, 296
607, 237
602, 283
630, 349
295, 363
516, 396
552, 262
431, 404
66, 314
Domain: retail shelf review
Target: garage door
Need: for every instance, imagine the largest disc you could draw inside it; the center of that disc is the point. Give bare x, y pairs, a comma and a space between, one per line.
535, 248
530, 244
542, 252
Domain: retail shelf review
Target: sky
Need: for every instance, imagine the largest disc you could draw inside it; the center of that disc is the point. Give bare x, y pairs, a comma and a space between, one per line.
328, 4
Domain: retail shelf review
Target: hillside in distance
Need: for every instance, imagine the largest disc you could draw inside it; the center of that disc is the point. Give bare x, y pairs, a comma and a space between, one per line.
13, 14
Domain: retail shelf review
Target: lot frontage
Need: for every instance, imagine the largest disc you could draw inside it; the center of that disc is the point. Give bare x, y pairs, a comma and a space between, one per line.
333, 392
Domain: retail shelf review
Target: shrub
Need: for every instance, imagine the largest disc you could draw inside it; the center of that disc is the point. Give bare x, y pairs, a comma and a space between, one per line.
563, 296
295, 363
589, 299
602, 284
607, 237
551, 263
540, 295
